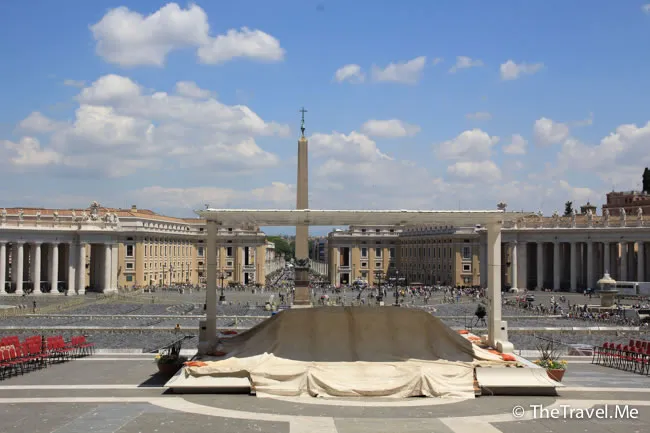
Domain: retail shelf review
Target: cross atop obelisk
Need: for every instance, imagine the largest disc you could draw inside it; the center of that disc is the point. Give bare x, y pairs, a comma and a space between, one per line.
302, 121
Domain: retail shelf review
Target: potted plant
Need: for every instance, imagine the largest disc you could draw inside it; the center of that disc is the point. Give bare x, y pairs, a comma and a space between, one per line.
169, 363
549, 360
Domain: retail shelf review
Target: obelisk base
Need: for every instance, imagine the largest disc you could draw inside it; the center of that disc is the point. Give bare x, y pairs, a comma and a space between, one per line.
302, 293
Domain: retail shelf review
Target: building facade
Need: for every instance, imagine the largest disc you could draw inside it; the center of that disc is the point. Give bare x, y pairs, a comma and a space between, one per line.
572, 253
561, 253
319, 249
103, 249
362, 253
630, 201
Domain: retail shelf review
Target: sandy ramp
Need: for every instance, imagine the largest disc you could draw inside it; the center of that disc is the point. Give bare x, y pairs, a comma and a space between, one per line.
352, 351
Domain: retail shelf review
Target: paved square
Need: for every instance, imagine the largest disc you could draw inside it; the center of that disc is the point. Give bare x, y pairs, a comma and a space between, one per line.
123, 394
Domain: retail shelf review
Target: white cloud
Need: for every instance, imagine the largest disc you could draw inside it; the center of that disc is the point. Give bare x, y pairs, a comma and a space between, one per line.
277, 194
475, 171
351, 73
128, 38
479, 115
28, 153
402, 72
192, 90
548, 132
392, 128
74, 83
646, 8
626, 149
120, 128
254, 44
437, 61
511, 70
464, 62
352, 147
517, 146
38, 123
470, 145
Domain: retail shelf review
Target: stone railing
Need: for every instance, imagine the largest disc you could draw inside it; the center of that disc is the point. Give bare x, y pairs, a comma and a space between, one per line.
581, 222
63, 222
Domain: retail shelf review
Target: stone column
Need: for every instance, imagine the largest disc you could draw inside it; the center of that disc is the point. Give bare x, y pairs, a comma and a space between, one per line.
591, 282
522, 262
72, 270
54, 269
514, 262
114, 266
607, 261
108, 258
36, 268
556, 265
640, 261
623, 274
3, 268
483, 259
540, 265
574, 267
19, 267
496, 334
81, 269
209, 342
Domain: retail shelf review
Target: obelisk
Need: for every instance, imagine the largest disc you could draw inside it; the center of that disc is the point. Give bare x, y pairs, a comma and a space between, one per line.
302, 296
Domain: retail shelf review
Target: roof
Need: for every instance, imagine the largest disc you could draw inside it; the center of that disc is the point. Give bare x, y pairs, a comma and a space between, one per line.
293, 217
121, 213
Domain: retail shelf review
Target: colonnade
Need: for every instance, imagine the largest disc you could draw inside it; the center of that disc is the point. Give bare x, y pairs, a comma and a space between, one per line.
573, 264
57, 267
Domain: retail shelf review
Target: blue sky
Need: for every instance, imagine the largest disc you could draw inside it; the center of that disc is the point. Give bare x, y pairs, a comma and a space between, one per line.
82, 117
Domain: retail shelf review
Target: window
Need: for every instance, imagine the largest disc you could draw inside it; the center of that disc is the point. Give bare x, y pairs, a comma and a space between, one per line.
129, 250
467, 267
228, 251
377, 252
364, 264
229, 264
129, 266
377, 264
467, 253
200, 253
392, 253
129, 278
364, 252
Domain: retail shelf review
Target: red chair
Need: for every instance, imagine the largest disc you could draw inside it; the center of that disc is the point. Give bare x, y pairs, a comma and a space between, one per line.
599, 353
11, 360
85, 347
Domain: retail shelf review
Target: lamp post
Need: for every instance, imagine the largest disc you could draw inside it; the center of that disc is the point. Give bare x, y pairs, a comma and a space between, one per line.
380, 293
222, 296
397, 288
171, 268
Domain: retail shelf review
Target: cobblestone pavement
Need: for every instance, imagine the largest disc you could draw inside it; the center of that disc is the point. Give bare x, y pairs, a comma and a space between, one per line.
121, 322
115, 393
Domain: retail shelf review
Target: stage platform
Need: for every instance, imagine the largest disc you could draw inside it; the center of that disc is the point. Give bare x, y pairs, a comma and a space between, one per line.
335, 352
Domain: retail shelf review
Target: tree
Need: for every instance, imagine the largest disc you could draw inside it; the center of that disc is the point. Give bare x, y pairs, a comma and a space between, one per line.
568, 208
646, 180
282, 246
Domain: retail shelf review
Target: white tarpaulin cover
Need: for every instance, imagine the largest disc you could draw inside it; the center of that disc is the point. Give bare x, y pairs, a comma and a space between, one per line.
352, 351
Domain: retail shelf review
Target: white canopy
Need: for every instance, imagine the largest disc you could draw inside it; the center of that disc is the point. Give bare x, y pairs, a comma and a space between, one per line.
293, 217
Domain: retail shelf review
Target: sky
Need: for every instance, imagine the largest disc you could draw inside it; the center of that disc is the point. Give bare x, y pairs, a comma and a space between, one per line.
410, 105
